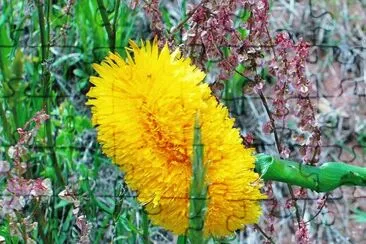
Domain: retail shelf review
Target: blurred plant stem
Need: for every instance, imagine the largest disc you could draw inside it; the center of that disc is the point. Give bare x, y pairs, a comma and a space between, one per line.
47, 86
184, 21
41, 221
269, 239
6, 128
110, 28
145, 228
325, 178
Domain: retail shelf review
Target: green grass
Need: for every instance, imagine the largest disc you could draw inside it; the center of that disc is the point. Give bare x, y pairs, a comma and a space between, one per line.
45, 62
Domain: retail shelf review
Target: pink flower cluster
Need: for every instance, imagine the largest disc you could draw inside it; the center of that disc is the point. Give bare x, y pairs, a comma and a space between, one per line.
302, 234
212, 27
152, 11
269, 219
19, 190
289, 69
257, 24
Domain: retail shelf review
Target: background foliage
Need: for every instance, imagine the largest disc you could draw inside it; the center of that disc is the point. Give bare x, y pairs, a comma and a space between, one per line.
46, 51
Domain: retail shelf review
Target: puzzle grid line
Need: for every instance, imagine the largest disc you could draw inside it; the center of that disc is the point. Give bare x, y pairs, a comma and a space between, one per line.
348, 56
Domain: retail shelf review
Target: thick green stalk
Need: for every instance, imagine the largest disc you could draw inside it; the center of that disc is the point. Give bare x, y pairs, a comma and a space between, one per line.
325, 178
198, 190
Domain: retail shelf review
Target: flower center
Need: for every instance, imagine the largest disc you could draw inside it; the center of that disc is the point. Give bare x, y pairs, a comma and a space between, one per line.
175, 153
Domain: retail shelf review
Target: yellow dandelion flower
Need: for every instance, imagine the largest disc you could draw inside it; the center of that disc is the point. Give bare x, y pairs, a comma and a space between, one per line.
145, 109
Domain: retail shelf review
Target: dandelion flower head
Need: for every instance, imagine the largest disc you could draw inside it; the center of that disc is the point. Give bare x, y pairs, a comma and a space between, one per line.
145, 108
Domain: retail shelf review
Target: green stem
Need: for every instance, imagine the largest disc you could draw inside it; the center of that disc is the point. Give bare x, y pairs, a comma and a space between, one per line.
41, 221
325, 178
6, 128
108, 27
47, 88
269, 239
14, 110
198, 190
145, 228
43, 35
182, 239
115, 19
189, 15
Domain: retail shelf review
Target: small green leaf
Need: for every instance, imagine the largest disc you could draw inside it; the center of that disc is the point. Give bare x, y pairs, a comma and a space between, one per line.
61, 204
359, 216
105, 208
80, 73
